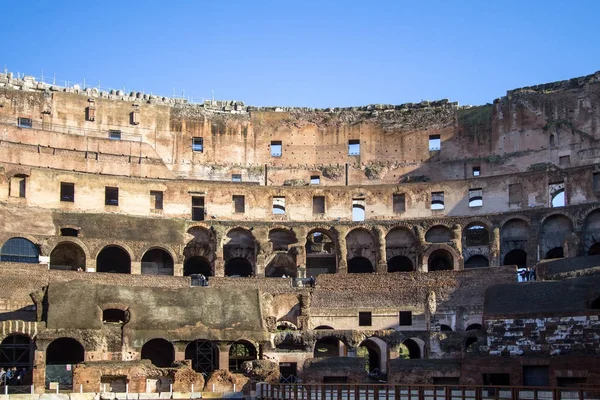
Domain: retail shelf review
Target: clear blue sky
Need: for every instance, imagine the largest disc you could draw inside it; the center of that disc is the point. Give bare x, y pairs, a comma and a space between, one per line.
305, 53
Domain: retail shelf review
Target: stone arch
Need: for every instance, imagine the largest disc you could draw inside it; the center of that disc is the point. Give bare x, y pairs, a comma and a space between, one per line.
16, 350
52, 243
439, 234
329, 346
239, 242
591, 232
65, 350
160, 352
164, 247
452, 258
239, 267
68, 255
412, 348
476, 234
20, 249
114, 258
323, 327
516, 257
554, 230
360, 242
197, 265
514, 234
240, 352
376, 354
321, 252
360, 265
401, 248
200, 249
281, 238
477, 261
157, 261
281, 264
474, 327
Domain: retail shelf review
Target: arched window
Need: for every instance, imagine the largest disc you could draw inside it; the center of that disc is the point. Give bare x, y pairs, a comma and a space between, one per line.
19, 250
440, 260
67, 256
64, 351
400, 264
445, 328
371, 353
239, 352
409, 349
238, 267
197, 265
113, 259
157, 262
477, 261
160, 352
114, 316
516, 257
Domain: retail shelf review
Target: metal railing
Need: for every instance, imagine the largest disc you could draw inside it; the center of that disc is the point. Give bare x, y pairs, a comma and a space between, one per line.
420, 392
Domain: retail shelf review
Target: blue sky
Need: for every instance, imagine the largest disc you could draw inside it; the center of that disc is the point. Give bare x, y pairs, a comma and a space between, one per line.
305, 53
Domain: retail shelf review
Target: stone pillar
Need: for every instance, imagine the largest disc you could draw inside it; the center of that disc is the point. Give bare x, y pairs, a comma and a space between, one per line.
495, 247
263, 249
381, 266
39, 370
219, 267
420, 236
136, 268
300, 246
223, 355
178, 269
179, 348
219, 262
341, 249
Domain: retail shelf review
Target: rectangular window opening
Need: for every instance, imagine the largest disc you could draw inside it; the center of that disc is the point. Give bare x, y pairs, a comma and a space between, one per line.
18, 186
198, 144
437, 200
25, 122
278, 205
556, 192
236, 177
354, 147
435, 143
564, 161
596, 182
315, 180
364, 318
198, 208
475, 197
318, 204
476, 171
358, 209
111, 196
515, 193
67, 191
405, 318
239, 203
114, 135
156, 200
399, 203
276, 148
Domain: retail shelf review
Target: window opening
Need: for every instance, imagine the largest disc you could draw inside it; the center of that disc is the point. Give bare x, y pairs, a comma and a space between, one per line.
596, 182
354, 147
114, 316
364, 318
278, 205
19, 250
25, 122
358, 209
437, 200
564, 161
318, 204
557, 194
435, 143
111, 196
156, 200
239, 203
399, 203
18, 186
114, 135
315, 180
405, 318
236, 178
276, 148
69, 232
198, 144
198, 208
475, 197
476, 171
515, 194
67, 191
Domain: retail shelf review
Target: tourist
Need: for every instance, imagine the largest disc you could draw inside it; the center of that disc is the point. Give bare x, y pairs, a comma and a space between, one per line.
312, 281
2, 375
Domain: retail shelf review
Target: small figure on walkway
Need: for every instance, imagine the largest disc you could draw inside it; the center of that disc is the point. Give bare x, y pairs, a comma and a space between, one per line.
312, 281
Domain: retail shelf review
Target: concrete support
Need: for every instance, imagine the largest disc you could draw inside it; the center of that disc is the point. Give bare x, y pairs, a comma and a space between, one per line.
179, 348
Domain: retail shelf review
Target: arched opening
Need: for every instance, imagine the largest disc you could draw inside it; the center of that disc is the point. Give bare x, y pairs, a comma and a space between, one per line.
474, 327
516, 257
20, 250
320, 254
197, 265
371, 353
358, 212
323, 327
16, 351
439, 234
558, 198
555, 229
280, 239
477, 261
281, 265
64, 351
400, 264
552, 141
157, 262
160, 352
476, 235
113, 259
203, 354
440, 260
409, 349
329, 346
556, 252
595, 305
67, 256
360, 265
470, 344
239, 243
594, 249
239, 352
445, 328
360, 242
238, 267
114, 316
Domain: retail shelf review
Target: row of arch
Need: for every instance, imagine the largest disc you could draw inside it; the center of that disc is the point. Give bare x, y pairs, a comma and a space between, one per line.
321, 252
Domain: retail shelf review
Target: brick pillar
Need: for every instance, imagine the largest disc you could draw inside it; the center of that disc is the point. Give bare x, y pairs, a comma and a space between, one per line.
136, 268
179, 348
219, 263
341, 249
39, 370
381, 266
178, 269
495, 247
223, 355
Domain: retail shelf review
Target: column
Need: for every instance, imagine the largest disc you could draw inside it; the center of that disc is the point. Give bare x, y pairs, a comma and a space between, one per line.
381, 266
341, 249
223, 362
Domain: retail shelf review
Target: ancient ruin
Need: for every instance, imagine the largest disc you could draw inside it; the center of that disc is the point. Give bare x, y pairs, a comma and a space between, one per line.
149, 244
